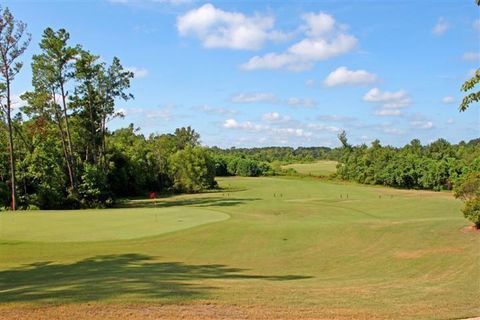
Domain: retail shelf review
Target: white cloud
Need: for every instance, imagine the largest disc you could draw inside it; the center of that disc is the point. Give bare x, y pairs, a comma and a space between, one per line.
255, 97
471, 56
217, 28
440, 27
274, 117
450, 121
387, 112
138, 72
419, 121
392, 131
211, 110
247, 125
310, 83
164, 113
421, 124
390, 103
476, 24
448, 100
299, 102
323, 127
324, 40
335, 118
17, 102
296, 132
390, 100
318, 25
343, 76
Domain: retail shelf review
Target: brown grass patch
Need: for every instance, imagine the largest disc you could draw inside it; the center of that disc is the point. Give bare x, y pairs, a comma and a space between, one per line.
192, 312
414, 254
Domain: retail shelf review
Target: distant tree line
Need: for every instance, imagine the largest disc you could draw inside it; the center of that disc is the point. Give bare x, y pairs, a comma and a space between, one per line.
436, 166
281, 154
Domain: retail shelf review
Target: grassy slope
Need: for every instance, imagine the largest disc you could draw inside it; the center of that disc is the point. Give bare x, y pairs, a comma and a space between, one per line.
319, 168
289, 242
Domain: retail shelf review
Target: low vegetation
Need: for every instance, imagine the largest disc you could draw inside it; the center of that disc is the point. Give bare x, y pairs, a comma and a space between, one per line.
322, 168
283, 248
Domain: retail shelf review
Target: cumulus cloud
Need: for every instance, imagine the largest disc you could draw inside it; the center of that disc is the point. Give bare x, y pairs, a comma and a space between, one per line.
254, 97
419, 121
440, 27
323, 127
247, 125
324, 39
264, 97
163, 113
212, 110
335, 118
301, 103
471, 56
390, 103
276, 127
17, 102
448, 100
138, 72
274, 117
297, 132
216, 28
343, 76
421, 124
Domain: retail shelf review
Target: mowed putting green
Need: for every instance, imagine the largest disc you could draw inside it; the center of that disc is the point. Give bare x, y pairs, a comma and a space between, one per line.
101, 225
280, 248
319, 168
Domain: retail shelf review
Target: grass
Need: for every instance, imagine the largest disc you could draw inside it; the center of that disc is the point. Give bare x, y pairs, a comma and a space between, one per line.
319, 168
293, 248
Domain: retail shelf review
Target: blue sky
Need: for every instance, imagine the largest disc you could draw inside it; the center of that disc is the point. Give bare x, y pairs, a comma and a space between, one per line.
260, 73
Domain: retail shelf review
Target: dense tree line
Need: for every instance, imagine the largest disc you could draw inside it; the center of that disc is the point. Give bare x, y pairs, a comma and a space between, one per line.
436, 166
281, 154
56, 150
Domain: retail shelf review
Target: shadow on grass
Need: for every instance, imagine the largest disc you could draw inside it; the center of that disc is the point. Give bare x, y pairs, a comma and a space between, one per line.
223, 201
112, 276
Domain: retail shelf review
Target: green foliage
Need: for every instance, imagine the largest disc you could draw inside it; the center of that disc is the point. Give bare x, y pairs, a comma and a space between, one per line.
192, 170
471, 211
469, 192
231, 165
437, 166
93, 189
468, 86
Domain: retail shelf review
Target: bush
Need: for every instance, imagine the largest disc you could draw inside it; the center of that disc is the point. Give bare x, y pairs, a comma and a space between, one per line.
469, 191
471, 211
93, 190
192, 170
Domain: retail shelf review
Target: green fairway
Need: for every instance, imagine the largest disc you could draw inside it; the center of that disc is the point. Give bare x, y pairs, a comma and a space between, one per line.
319, 248
318, 168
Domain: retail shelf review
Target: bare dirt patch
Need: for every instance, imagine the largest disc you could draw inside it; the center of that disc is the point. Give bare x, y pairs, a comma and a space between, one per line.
191, 312
471, 229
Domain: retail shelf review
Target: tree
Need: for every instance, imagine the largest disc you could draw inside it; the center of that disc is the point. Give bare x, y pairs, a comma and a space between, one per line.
14, 40
192, 169
52, 69
469, 192
186, 137
97, 89
468, 86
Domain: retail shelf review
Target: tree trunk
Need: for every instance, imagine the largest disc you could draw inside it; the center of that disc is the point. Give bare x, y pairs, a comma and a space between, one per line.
65, 152
71, 157
11, 148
